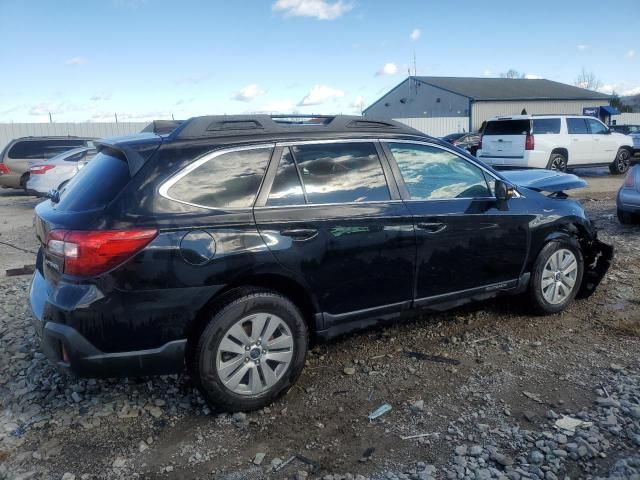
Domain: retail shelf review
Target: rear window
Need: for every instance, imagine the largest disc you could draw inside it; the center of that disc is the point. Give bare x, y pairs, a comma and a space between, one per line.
230, 180
42, 149
96, 184
507, 127
546, 126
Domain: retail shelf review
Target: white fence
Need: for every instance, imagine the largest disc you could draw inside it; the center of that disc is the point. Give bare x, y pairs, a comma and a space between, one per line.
9, 131
627, 119
437, 126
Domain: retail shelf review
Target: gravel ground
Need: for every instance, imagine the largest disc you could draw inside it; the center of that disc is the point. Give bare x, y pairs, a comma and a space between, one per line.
485, 391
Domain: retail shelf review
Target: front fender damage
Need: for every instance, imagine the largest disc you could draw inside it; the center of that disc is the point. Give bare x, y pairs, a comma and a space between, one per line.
597, 260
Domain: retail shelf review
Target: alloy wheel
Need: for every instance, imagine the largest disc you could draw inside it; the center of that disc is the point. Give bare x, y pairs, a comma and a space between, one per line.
558, 164
254, 354
559, 276
622, 161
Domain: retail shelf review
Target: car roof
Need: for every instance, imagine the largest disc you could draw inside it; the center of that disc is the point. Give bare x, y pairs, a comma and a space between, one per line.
539, 117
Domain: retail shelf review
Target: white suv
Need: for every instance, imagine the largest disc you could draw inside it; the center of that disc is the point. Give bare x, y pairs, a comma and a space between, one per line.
556, 142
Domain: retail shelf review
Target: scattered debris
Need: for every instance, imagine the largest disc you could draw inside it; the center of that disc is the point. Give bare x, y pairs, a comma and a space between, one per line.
419, 435
349, 370
379, 411
570, 424
259, 457
366, 455
314, 465
24, 270
432, 358
532, 396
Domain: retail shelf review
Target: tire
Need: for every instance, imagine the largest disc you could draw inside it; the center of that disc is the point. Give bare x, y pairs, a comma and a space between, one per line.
553, 298
557, 162
622, 162
234, 378
626, 218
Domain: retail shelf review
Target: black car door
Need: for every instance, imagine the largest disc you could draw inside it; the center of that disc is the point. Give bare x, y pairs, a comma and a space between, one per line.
331, 218
467, 241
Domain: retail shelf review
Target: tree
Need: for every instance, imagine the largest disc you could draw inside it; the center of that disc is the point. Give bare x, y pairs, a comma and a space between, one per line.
588, 80
616, 102
511, 73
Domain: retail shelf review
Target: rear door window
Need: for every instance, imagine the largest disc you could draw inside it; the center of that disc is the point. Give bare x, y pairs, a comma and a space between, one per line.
546, 126
508, 127
229, 180
341, 172
96, 184
577, 126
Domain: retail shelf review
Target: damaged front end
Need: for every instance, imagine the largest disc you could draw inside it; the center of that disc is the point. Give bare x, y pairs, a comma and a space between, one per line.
597, 260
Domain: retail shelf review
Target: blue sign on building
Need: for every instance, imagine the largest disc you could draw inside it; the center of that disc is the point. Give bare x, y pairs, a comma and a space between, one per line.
591, 111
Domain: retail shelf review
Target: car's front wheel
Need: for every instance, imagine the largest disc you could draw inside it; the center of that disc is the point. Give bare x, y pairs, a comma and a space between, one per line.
556, 276
622, 162
251, 352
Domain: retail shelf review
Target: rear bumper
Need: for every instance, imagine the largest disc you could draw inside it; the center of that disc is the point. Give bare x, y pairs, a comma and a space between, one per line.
74, 321
529, 159
10, 180
628, 200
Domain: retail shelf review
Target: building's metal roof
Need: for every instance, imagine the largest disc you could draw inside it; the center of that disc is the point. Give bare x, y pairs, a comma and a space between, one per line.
511, 89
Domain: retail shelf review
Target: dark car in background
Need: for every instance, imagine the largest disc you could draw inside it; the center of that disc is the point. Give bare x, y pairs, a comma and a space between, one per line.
628, 198
21, 154
228, 244
466, 141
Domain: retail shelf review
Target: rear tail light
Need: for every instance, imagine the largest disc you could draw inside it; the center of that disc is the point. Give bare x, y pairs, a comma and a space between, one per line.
40, 169
480, 143
530, 142
4, 170
91, 253
629, 180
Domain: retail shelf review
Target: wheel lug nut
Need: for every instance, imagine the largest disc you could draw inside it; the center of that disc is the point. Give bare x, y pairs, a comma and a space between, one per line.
247, 348
246, 360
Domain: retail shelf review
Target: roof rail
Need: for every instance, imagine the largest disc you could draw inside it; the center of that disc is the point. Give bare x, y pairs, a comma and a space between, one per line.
229, 125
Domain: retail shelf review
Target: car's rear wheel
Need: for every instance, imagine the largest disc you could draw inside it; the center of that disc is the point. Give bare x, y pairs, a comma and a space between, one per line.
251, 352
557, 162
622, 162
556, 276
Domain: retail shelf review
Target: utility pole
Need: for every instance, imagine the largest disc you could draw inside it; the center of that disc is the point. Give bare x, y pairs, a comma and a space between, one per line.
116, 115
50, 119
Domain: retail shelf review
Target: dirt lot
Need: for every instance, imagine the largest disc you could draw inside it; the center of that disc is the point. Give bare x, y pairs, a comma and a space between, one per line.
484, 385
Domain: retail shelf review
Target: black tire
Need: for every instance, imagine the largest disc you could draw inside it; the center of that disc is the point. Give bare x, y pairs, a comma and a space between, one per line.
538, 300
557, 162
622, 162
626, 218
203, 364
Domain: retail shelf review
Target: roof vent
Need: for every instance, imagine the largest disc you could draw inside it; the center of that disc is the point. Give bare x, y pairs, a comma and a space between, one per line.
235, 125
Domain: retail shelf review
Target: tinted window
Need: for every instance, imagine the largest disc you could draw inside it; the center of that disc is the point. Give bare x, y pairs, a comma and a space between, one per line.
546, 125
96, 184
230, 180
507, 127
597, 127
286, 188
76, 157
431, 173
577, 126
42, 149
341, 172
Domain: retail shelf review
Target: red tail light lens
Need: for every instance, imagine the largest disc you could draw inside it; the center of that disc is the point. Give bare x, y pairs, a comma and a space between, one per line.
629, 180
91, 253
40, 169
530, 142
4, 170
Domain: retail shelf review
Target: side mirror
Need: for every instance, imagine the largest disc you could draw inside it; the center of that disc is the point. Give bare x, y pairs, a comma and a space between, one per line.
504, 191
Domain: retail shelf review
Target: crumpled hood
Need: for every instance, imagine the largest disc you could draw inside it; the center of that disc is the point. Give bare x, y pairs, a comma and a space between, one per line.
544, 180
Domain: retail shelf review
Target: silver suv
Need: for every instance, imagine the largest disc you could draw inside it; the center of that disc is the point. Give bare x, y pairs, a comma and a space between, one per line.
22, 153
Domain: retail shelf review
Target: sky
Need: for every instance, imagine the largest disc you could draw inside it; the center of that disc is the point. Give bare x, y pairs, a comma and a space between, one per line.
88, 60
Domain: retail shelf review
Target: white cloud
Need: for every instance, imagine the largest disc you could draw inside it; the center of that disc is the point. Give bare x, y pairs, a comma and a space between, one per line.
76, 61
248, 93
631, 53
622, 89
631, 91
100, 96
415, 34
320, 94
582, 47
320, 9
387, 69
531, 76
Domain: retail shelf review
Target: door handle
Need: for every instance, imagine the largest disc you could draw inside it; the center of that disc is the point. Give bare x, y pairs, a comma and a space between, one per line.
432, 227
300, 234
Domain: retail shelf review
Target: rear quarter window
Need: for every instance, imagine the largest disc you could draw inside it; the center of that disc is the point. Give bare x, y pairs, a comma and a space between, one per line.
508, 127
95, 185
546, 126
228, 180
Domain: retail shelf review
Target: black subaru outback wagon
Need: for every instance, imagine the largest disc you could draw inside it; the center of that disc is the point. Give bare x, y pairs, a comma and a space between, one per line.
225, 244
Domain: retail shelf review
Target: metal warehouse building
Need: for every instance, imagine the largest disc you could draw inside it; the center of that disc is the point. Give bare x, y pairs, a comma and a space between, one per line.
462, 104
